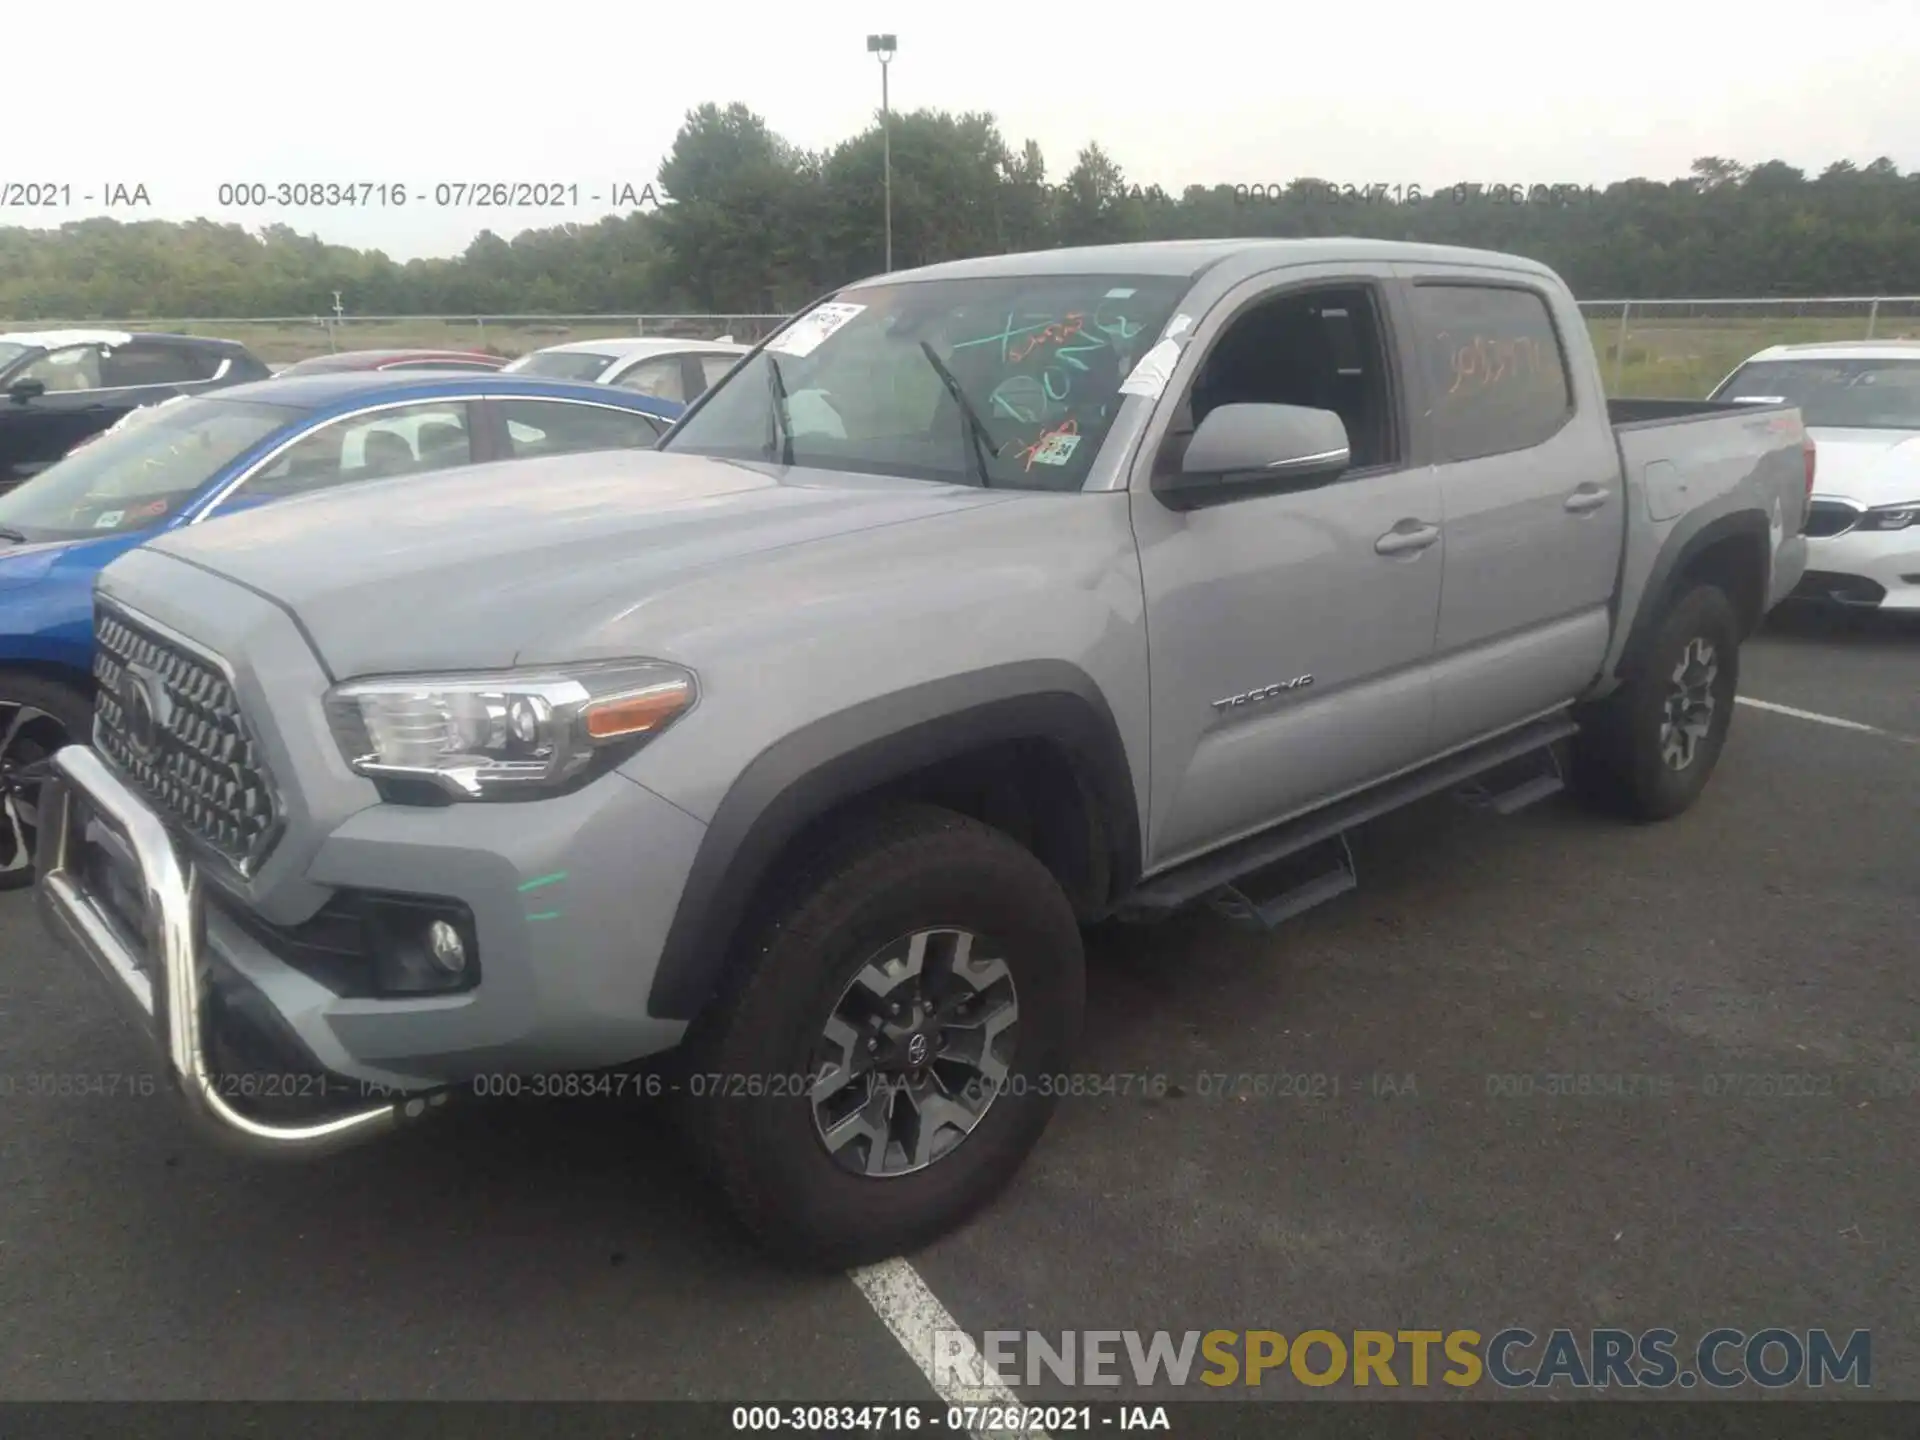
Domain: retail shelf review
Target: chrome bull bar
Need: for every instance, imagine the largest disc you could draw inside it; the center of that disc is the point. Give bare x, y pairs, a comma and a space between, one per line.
167, 1003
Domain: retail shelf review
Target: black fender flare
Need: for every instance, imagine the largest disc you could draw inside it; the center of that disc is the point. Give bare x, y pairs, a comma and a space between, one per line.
1670, 568
827, 762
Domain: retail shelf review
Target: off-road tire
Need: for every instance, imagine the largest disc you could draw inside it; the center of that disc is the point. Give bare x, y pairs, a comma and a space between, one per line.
1617, 757
876, 879
70, 709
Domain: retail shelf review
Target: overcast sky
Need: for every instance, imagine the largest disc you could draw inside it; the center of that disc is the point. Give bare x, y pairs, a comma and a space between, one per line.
588, 92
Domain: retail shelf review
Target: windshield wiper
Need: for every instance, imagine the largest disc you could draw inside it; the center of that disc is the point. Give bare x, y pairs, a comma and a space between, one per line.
13, 535
979, 439
779, 422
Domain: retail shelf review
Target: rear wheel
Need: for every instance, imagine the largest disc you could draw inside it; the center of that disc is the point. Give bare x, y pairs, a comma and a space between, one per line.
882, 1065
37, 717
1648, 750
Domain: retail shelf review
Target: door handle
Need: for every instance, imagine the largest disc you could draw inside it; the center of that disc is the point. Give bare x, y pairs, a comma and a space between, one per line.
1409, 537
1587, 497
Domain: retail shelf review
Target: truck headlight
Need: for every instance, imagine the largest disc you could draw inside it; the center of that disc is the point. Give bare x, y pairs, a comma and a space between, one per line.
506, 734
1891, 517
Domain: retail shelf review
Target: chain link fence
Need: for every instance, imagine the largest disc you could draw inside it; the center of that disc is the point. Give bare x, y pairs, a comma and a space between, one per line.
1683, 348
1676, 348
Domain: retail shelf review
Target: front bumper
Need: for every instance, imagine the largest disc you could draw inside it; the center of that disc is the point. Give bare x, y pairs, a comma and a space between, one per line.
1864, 569
570, 897
158, 979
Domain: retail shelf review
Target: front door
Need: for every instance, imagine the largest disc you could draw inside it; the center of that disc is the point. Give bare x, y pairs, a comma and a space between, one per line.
1289, 633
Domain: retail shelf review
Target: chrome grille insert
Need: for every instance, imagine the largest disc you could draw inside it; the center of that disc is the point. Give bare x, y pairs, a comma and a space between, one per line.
167, 715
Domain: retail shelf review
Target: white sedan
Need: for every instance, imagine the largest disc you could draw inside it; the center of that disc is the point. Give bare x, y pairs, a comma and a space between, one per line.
1861, 405
677, 370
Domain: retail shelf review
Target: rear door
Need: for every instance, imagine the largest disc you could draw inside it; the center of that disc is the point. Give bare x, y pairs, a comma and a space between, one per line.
1330, 591
1529, 483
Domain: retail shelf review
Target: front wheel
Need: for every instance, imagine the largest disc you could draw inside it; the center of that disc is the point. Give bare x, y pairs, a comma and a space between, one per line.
37, 717
887, 1058
1649, 749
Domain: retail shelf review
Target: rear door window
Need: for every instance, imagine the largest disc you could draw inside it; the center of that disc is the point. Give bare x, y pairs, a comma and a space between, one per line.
1495, 370
660, 376
136, 365
560, 427
714, 369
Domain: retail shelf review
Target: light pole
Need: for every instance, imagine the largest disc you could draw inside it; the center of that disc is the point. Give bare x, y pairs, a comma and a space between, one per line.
883, 46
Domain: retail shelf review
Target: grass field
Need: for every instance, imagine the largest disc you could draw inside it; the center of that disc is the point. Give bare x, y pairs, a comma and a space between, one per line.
1667, 357
1686, 358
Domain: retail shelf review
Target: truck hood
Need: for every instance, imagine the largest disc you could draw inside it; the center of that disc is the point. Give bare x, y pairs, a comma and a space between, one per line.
1868, 467
484, 566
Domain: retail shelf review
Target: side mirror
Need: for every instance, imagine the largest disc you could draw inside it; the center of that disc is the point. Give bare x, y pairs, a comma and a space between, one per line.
1240, 451
21, 391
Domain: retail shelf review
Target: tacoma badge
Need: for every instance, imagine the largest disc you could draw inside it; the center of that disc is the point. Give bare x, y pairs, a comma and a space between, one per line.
1265, 692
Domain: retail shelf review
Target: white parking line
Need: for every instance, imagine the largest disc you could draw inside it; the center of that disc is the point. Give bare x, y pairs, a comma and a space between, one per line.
931, 1337
1833, 720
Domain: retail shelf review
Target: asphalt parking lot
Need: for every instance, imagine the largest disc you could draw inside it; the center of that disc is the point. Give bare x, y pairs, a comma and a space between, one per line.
563, 1250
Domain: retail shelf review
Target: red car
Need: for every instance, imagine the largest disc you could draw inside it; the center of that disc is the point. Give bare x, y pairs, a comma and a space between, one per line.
396, 360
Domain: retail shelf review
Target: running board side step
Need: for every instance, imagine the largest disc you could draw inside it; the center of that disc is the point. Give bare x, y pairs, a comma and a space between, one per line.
1214, 875
1236, 903
1512, 788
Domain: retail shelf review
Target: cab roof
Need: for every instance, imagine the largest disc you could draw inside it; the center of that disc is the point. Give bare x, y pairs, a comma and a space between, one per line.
1189, 259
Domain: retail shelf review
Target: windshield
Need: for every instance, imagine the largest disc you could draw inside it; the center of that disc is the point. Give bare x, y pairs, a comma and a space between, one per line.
868, 380
12, 350
1836, 394
561, 364
134, 475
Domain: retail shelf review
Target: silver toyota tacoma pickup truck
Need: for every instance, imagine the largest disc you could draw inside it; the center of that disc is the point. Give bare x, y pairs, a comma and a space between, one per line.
982, 602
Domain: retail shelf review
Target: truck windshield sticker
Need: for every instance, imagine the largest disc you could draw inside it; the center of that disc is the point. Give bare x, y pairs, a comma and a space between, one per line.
1150, 376
109, 518
1053, 446
813, 329
1054, 449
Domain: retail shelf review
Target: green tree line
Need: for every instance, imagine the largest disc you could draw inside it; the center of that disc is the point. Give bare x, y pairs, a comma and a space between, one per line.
755, 224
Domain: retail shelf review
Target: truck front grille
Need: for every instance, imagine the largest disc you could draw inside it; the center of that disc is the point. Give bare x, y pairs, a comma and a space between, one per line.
1830, 517
169, 718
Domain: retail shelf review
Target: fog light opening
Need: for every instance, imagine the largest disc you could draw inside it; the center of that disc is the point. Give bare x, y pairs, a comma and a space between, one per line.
419, 945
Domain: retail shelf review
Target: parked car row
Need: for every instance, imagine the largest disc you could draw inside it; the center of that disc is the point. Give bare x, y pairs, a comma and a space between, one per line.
61, 388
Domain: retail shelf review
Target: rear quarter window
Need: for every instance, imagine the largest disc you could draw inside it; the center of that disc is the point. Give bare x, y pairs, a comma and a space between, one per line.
1495, 370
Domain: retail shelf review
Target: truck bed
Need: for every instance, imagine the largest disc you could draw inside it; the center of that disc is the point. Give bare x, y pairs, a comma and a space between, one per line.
1689, 462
